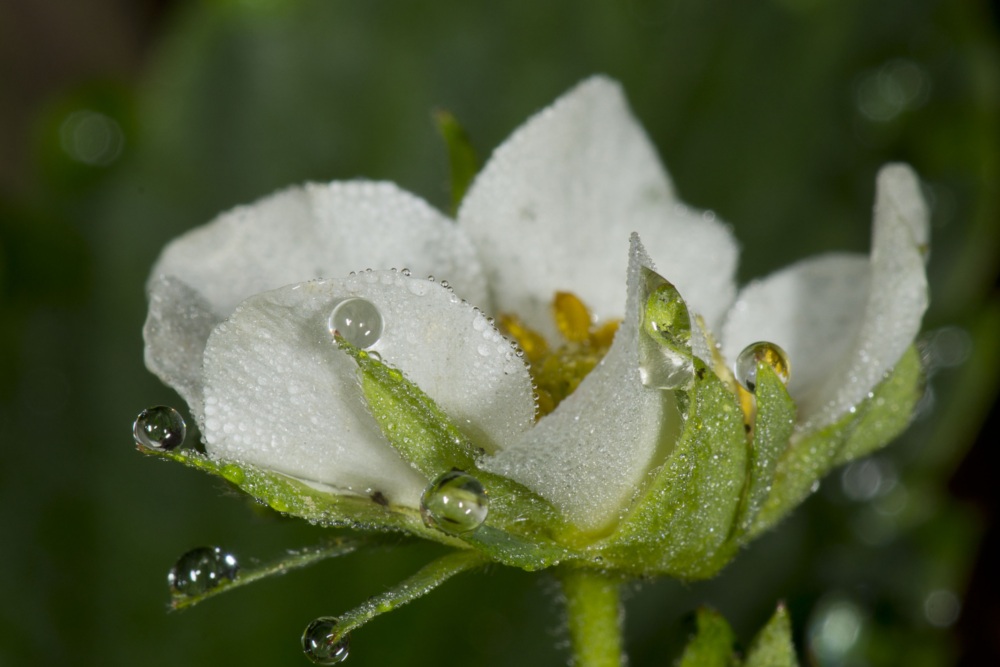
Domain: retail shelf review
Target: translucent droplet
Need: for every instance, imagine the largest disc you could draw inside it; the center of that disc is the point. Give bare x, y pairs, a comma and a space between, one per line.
357, 320
761, 352
323, 644
454, 503
665, 358
200, 570
159, 427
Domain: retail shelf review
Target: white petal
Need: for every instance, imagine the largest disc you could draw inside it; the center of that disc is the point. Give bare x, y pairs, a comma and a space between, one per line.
176, 330
565, 189
278, 392
844, 322
812, 309
295, 235
591, 454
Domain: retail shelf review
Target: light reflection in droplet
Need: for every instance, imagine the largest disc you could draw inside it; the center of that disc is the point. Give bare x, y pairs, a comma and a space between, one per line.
868, 479
883, 93
835, 627
91, 137
941, 608
946, 348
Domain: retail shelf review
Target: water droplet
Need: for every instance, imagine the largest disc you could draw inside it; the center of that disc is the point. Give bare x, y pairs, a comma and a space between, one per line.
445, 284
406, 272
357, 320
454, 503
761, 352
323, 644
665, 358
159, 427
200, 570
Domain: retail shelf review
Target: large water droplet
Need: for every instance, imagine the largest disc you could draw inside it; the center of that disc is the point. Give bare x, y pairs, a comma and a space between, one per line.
323, 644
761, 352
665, 358
159, 427
357, 320
454, 503
200, 570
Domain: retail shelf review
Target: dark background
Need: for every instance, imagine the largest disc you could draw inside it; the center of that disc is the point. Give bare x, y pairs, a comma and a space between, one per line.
123, 123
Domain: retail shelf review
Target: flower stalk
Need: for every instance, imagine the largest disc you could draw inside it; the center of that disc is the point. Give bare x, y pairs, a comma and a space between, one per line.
594, 617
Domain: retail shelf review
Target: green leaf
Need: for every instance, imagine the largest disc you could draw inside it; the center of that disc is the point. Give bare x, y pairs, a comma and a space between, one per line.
462, 161
712, 645
680, 524
773, 646
872, 424
772, 430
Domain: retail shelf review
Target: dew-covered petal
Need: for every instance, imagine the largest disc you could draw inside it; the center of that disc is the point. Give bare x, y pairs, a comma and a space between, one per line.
177, 327
844, 321
811, 309
565, 189
295, 235
280, 394
589, 456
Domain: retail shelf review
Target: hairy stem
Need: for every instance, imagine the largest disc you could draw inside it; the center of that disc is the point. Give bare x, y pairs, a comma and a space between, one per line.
594, 615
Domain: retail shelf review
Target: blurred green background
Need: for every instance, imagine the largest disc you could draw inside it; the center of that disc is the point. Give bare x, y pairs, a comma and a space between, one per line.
124, 123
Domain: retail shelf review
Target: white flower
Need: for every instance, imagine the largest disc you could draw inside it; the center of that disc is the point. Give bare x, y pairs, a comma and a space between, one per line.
239, 307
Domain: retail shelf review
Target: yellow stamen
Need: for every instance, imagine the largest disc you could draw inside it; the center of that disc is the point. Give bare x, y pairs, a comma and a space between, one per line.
572, 317
557, 371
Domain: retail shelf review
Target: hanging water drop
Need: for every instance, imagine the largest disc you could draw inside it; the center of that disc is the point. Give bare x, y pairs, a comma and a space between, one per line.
761, 352
323, 644
665, 357
357, 320
159, 427
200, 570
454, 503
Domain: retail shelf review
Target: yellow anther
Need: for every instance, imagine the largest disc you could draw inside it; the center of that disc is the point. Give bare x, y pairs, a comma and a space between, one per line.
558, 371
572, 317
605, 334
534, 345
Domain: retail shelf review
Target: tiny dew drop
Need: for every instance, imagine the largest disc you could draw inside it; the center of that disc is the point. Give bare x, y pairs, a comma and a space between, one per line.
200, 570
323, 644
159, 427
761, 352
454, 503
357, 320
665, 357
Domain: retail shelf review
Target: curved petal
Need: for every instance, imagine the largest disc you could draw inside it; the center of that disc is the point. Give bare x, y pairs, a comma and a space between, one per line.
812, 309
591, 454
845, 322
571, 183
297, 234
281, 395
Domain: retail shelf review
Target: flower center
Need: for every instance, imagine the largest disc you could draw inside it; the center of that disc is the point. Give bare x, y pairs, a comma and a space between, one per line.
558, 370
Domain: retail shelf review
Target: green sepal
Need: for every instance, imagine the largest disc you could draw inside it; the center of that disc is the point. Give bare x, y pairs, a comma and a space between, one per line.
773, 426
293, 560
773, 646
412, 423
680, 523
871, 425
419, 584
294, 497
520, 525
712, 644
462, 161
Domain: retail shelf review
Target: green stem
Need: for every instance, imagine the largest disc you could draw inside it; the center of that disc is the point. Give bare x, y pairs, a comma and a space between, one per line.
595, 615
